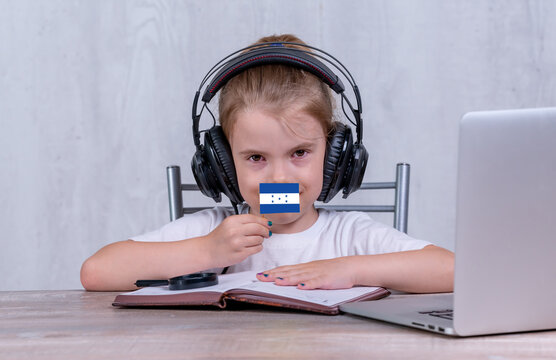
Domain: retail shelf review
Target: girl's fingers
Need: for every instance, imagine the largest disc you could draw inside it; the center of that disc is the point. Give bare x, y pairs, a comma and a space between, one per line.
253, 219
287, 275
309, 284
256, 229
253, 240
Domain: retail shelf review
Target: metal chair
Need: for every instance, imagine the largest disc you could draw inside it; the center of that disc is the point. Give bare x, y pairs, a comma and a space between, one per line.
400, 207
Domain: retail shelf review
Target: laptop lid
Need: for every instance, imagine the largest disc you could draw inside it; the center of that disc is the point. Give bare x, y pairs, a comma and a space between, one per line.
505, 271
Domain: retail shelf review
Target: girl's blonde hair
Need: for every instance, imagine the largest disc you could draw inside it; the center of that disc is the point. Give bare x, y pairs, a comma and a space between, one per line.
277, 89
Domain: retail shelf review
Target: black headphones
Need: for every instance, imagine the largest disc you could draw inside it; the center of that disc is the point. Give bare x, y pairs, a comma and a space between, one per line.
345, 160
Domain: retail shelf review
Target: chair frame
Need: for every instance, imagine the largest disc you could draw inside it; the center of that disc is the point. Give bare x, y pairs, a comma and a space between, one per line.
400, 207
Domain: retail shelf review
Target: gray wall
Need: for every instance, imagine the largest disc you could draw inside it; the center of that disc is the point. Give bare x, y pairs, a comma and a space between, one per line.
95, 101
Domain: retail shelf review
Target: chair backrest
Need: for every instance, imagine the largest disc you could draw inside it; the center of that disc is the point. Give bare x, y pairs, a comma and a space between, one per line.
399, 208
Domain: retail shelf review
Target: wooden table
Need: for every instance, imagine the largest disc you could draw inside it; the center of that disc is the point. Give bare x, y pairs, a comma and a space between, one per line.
75, 324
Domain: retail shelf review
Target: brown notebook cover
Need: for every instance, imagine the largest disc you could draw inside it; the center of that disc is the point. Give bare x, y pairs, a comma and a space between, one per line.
244, 287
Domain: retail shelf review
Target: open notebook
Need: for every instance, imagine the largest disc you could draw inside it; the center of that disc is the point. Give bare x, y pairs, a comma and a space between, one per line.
245, 287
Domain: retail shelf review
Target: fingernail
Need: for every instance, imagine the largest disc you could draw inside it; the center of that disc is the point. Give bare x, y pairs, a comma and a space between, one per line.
269, 223
269, 233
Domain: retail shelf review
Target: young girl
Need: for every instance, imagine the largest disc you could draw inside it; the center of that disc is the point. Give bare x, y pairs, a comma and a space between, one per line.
276, 119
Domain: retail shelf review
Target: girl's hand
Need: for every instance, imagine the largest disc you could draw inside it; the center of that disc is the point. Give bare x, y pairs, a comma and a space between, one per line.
335, 273
236, 238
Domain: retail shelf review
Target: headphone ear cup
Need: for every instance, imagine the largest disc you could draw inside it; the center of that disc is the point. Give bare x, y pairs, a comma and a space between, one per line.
336, 161
204, 175
356, 169
219, 155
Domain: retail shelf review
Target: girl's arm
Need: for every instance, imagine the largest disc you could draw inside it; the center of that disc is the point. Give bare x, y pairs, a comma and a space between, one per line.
117, 266
430, 269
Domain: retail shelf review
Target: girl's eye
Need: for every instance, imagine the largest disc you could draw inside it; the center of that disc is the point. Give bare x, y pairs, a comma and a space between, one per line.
255, 157
299, 153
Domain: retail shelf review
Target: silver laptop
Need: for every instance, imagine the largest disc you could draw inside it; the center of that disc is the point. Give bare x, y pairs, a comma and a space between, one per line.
505, 271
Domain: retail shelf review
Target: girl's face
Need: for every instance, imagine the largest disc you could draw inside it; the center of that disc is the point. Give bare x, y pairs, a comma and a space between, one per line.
268, 149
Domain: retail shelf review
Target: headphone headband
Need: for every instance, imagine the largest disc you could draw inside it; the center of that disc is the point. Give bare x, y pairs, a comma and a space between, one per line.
272, 55
277, 53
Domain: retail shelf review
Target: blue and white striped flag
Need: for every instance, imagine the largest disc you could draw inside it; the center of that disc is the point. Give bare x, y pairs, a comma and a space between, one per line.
279, 198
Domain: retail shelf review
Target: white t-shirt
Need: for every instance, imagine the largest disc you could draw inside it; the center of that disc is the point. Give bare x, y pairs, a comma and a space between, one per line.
334, 234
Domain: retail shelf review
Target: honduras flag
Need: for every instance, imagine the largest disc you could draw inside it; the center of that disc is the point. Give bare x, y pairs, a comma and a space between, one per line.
279, 198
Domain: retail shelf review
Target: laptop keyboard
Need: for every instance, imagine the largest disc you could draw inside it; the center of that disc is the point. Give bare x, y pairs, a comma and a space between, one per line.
447, 314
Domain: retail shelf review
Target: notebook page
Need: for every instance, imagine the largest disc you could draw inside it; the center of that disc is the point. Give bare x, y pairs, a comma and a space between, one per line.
225, 282
322, 297
247, 280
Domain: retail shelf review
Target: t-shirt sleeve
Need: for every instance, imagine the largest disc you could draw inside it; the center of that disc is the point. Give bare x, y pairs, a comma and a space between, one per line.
367, 236
187, 227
